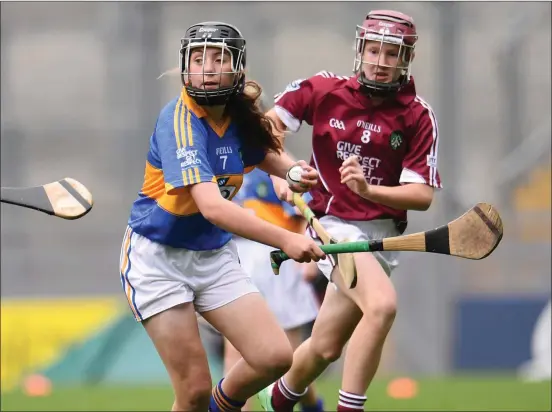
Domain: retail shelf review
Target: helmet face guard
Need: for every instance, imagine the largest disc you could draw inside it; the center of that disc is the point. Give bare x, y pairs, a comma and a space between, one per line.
231, 42
385, 27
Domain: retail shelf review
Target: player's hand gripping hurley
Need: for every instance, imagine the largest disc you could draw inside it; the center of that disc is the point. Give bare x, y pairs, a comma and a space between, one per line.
474, 235
66, 198
345, 261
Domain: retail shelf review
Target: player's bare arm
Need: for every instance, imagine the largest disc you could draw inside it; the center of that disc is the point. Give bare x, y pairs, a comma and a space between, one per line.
412, 196
233, 218
277, 164
278, 127
280, 184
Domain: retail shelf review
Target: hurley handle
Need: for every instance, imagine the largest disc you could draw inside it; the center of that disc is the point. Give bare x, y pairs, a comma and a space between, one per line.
277, 257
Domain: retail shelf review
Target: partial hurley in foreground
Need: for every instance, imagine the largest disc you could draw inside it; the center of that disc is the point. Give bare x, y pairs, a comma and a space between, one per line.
67, 198
474, 235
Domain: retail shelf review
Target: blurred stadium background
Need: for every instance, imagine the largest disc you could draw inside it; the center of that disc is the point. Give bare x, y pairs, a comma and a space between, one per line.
80, 97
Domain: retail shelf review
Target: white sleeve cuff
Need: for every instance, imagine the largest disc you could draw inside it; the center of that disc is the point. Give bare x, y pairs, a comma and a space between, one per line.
409, 176
287, 118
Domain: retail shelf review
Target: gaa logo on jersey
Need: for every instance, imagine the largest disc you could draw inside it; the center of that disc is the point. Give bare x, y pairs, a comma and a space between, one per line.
337, 124
294, 85
395, 140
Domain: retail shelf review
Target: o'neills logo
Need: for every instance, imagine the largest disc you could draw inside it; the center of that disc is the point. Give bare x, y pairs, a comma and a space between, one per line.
369, 126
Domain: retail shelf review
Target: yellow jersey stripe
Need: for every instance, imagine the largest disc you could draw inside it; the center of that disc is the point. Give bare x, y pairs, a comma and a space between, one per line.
191, 176
196, 173
175, 122
190, 134
183, 129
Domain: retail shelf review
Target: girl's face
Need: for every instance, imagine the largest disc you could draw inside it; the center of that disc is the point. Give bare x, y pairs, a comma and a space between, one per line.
210, 68
382, 62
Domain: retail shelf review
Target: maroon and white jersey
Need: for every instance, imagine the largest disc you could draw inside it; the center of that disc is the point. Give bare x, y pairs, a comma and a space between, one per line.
396, 141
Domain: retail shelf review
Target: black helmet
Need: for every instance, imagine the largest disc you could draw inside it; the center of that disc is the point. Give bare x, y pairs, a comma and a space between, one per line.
214, 34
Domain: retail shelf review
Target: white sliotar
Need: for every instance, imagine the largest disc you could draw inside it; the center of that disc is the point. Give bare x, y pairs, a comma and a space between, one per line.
293, 175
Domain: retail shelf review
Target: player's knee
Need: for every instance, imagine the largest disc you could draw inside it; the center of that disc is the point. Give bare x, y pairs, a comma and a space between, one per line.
193, 394
326, 348
195, 399
382, 310
281, 360
276, 362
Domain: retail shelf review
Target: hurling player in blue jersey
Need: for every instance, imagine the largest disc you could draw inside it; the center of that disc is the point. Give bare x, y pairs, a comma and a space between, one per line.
178, 256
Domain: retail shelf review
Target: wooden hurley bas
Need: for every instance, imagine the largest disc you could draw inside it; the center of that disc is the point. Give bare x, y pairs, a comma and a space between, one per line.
474, 235
67, 198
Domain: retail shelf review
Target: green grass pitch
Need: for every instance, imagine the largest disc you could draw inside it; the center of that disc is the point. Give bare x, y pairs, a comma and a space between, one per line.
467, 393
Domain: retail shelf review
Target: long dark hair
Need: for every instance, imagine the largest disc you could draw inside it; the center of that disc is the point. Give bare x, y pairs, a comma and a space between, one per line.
255, 129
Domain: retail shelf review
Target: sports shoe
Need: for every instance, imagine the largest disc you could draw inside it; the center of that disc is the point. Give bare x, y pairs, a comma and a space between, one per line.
265, 398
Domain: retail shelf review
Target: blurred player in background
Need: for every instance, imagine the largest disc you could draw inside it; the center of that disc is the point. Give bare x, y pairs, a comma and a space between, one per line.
288, 295
539, 367
375, 147
177, 255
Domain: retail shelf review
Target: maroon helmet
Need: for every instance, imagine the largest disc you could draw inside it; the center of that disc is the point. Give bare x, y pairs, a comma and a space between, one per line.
391, 27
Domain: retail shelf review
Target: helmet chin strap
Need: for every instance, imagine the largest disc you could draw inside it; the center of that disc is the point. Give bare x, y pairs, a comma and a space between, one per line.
373, 88
377, 92
216, 97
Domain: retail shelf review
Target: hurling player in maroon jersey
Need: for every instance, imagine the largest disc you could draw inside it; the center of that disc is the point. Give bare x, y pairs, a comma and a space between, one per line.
374, 144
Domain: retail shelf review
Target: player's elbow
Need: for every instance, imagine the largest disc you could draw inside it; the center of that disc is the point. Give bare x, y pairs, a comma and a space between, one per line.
423, 205
213, 211
424, 198
418, 196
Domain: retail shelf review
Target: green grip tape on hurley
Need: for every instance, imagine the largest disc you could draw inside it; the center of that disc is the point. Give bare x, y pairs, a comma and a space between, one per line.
277, 257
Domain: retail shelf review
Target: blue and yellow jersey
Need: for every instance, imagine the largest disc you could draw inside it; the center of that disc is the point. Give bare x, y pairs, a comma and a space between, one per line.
257, 194
186, 148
